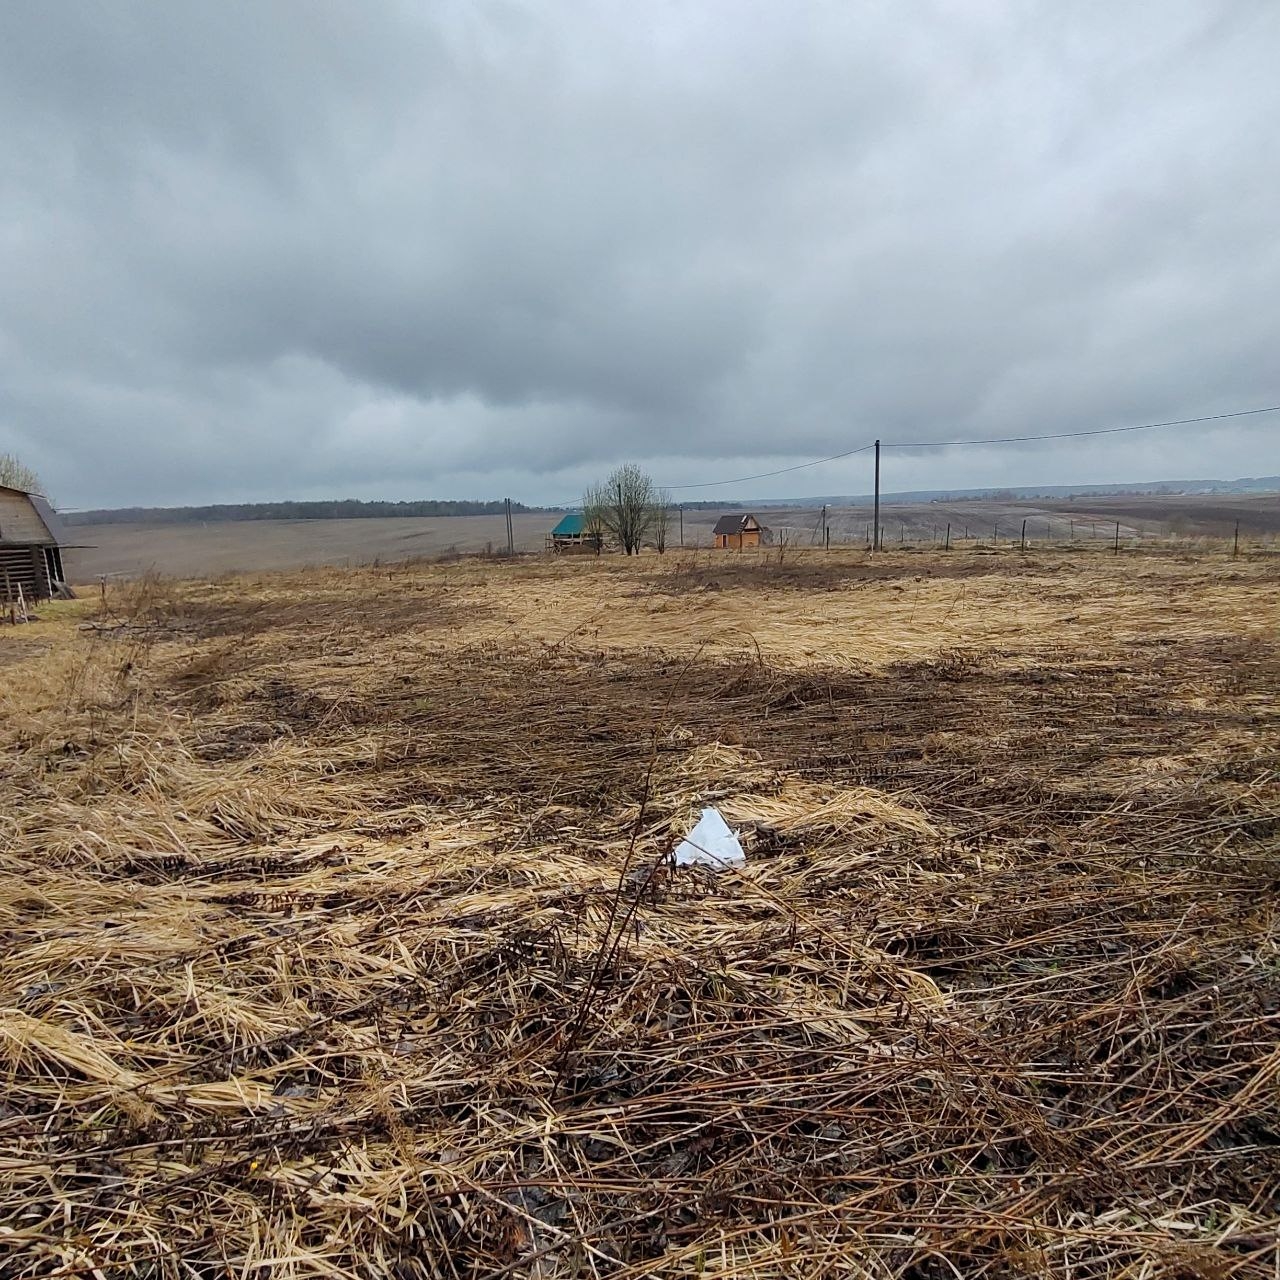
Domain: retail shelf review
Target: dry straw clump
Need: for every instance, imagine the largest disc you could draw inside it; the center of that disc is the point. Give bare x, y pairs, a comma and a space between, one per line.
340, 940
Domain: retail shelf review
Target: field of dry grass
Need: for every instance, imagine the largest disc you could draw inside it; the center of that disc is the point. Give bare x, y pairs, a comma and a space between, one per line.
1185, 521
238, 546
340, 940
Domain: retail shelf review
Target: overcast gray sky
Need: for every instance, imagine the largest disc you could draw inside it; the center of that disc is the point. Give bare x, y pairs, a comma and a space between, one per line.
450, 249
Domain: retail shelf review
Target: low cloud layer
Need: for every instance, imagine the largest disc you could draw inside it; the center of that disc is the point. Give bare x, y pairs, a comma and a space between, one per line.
287, 250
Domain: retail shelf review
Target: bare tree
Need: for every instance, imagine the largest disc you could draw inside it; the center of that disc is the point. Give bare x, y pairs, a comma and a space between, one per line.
15, 474
661, 518
626, 504
593, 521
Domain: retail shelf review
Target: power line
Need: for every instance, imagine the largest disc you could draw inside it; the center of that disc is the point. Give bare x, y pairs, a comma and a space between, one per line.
1074, 435
955, 444
762, 475
782, 471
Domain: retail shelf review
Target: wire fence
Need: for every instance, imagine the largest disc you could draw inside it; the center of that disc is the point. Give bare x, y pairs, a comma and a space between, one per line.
837, 528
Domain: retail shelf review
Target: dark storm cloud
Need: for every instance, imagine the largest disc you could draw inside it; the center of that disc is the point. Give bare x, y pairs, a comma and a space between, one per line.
287, 249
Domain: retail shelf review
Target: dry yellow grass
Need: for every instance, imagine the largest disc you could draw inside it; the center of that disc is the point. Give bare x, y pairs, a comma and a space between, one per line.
812, 607
339, 938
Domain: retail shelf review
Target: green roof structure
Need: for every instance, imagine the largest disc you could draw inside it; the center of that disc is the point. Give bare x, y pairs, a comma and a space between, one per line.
572, 525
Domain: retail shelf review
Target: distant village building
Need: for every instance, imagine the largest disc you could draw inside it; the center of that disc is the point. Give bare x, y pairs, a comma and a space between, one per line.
571, 535
742, 530
30, 550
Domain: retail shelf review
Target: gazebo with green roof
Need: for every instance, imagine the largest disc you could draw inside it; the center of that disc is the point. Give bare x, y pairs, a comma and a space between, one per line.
571, 534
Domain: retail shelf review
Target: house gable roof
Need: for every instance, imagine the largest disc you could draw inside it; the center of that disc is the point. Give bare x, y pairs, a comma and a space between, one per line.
735, 523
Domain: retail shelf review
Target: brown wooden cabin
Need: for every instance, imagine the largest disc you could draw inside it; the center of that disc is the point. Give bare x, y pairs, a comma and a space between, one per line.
31, 541
741, 530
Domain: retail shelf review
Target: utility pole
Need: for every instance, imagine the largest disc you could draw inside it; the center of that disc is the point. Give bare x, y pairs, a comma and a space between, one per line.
826, 537
511, 537
1117, 550
1235, 549
682, 525
877, 542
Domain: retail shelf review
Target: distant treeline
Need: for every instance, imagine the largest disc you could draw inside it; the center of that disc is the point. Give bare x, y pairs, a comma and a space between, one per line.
336, 509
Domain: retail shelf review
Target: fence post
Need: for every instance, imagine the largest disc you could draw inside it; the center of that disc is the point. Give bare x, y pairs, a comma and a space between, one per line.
1024, 535
1117, 550
1235, 548
948, 546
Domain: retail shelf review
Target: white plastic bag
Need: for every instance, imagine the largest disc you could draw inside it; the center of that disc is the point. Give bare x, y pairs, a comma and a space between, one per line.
710, 844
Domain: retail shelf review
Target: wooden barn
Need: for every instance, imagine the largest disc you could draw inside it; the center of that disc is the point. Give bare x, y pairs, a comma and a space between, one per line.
734, 532
31, 540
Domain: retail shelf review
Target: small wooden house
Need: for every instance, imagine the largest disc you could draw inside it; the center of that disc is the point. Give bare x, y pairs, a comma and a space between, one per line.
571, 535
31, 541
741, 530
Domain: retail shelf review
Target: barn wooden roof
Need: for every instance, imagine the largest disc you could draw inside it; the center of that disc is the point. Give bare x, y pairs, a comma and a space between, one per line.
48, 517
28, 518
